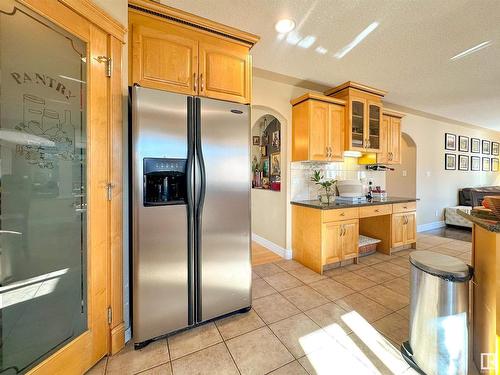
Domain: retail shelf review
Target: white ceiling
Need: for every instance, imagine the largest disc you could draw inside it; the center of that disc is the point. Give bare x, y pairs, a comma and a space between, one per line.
407, 55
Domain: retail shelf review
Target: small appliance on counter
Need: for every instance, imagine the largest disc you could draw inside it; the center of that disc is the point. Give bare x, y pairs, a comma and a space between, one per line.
350, 189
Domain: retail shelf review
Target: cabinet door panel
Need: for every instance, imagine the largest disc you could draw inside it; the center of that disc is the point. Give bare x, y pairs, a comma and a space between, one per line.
357, 123
410, 228
164, 58
331, 243
397, 229
385, 134
318, 130
350, 240
373, 128
395, 140
224, 71
336, 132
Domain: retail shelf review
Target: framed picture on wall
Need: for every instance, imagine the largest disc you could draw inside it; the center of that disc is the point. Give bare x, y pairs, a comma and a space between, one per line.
263, 151
486, 147
450, 162
475, 145
276, 139
256, 140
495, 148
494, 164
450, 141
463, 143
275, 164
475, 163
486, 164
463, 162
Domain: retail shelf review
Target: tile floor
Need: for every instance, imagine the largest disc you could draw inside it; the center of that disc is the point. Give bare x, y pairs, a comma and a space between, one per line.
351, 320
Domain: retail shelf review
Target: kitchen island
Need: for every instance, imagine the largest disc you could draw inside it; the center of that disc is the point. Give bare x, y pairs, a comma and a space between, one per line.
325, 234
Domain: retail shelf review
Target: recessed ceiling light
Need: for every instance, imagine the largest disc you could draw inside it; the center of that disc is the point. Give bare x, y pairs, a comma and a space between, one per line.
284, 26
480, 46
321, 50
307, 42
293, 38
358, 39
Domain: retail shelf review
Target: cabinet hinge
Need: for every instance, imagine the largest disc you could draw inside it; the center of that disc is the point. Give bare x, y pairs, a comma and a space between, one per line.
110, 315
108, 64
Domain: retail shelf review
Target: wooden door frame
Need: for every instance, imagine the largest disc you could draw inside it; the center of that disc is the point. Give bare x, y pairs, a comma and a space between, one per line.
104, 36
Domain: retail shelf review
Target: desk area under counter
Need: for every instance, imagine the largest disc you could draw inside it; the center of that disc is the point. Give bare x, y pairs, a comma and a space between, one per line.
326, 234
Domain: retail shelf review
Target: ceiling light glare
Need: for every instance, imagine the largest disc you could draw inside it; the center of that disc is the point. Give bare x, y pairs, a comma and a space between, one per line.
476, 48
284, 26
307, 42
321, 50
293, 38
358, 39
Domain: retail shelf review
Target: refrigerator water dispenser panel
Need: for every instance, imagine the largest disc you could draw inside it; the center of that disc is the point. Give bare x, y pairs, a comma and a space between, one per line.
164, 182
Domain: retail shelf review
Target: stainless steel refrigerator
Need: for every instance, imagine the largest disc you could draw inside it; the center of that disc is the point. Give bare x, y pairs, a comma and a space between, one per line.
191, 211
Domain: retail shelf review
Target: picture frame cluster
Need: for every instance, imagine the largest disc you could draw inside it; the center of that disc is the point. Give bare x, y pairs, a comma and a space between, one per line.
466, 162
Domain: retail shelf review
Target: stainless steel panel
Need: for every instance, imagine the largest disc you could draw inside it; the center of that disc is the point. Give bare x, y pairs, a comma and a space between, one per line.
438, 323
160, 254
225, 268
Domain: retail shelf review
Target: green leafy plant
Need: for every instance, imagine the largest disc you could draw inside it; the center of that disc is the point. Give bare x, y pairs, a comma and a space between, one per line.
326, 185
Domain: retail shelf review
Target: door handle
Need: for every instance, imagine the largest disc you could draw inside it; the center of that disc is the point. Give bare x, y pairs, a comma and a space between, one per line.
195, 83
342, 230
202, 83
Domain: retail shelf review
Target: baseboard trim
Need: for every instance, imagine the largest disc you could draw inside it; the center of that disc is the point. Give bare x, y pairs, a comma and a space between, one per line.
282, 252
431, 226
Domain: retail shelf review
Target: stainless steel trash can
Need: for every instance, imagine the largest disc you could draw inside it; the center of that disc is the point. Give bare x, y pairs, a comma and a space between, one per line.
439, 305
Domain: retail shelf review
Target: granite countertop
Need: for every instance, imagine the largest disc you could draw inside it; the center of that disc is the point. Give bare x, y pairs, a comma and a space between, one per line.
490, 225
346, 204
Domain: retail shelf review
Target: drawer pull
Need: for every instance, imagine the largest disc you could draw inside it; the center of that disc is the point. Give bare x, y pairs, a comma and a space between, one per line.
405, 207
377, 210
342, 214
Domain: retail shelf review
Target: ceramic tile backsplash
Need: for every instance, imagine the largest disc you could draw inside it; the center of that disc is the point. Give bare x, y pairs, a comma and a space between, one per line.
303, 189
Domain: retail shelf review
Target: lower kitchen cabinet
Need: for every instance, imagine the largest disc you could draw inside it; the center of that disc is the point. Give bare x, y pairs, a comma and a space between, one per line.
404, 228
339, 241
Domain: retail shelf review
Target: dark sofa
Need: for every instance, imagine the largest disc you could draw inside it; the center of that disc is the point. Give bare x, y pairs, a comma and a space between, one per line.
474, 196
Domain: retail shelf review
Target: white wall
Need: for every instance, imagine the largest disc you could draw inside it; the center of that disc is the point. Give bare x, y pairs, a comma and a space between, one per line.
402, 182
437, 188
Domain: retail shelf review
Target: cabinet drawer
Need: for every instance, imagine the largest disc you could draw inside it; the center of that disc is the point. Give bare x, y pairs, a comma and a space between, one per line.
404, 207
340, 214
383, 209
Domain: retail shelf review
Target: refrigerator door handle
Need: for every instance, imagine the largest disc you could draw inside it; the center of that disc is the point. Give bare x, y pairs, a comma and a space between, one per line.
190, 210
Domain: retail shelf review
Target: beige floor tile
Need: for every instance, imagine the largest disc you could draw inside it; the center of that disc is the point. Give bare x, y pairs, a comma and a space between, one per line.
423, 245
405, 312
282, 281
258, 352
399, 285
273, 308
213, 360
306, 275
369, 260
335, 271
375, 275
355, 266
267, 269
300, 335
354, 281
364, 306
293, 368
465, 257
304, 297
402, 262
289, 264
434, 240
382, 256
446, 251
328, 317
255, 276
260, 288
458, 245
193, 339
164, 369
238, 324
331, 289
394, 326
130, 361
99, 368
386, 297
391, 268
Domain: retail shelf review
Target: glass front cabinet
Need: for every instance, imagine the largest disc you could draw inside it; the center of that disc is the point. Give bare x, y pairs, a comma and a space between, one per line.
364, 116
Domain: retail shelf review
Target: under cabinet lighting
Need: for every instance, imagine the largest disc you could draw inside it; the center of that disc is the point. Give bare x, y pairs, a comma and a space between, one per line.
352, 154
307, 42
479, 47
321, 50
284, 26
358, 39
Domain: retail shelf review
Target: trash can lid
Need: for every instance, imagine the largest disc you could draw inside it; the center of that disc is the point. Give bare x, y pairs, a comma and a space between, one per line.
444, 266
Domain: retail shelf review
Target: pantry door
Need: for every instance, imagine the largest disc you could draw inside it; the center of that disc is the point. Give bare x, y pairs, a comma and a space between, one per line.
56, 222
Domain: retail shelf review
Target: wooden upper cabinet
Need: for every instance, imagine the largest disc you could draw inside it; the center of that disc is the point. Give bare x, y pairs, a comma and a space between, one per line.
363, 116
390, 136
164, 57
225, 71
317, 128
176, 51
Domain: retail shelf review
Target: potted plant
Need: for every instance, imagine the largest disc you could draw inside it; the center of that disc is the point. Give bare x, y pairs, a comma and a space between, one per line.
326, 185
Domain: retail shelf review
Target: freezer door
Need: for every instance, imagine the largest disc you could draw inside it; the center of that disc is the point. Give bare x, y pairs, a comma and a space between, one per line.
160, 233
223, 252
